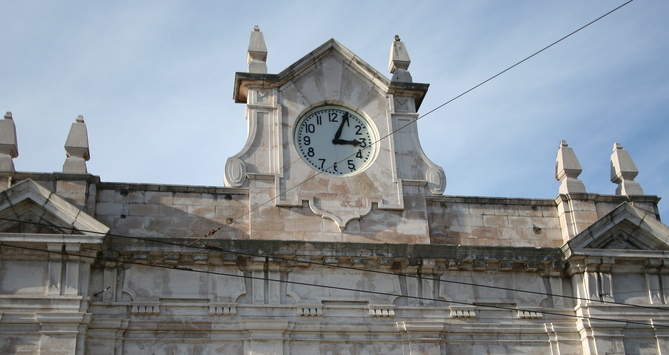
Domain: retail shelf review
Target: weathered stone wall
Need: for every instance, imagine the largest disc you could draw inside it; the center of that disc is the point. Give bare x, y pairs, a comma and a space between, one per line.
173, 211
494, 221
321, 305
286, 260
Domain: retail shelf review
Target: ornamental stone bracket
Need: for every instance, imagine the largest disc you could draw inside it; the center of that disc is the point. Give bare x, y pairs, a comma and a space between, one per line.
339, 214
381, 310
462, 311
222, 309
309, 310
530, 313
145, 308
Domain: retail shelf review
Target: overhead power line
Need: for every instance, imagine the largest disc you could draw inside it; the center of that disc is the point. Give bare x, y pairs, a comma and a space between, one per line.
318, 173
190, 245
209, 249
406, 125
349, 289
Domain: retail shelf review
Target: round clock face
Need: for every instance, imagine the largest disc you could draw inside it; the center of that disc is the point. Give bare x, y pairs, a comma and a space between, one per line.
335, 140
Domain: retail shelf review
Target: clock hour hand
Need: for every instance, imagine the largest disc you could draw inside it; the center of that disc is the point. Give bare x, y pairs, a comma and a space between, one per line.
344, 120
344, 141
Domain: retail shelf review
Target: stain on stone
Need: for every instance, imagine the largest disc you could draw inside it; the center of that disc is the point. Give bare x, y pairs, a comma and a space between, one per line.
536, 230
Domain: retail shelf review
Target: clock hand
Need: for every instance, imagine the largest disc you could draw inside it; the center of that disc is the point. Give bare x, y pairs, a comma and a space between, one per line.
344, 119
343, 141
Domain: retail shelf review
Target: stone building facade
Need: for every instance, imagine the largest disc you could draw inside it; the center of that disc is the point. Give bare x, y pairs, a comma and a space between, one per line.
311, 250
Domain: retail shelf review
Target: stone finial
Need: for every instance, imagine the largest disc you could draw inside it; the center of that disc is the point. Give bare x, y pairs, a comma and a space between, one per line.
9, 148
257, 54
623, 172
567, 170
76, 148
399, 61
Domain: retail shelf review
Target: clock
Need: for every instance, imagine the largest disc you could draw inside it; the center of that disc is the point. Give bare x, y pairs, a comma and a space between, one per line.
335, 140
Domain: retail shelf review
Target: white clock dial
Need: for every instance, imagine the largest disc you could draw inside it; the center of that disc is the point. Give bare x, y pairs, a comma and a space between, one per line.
335, 140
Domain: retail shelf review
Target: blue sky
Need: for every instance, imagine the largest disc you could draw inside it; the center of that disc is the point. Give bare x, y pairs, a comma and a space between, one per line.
154, 82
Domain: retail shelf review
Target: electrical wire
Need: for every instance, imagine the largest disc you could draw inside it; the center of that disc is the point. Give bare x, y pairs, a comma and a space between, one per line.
209, 249
341, 288
318, 173
379, 271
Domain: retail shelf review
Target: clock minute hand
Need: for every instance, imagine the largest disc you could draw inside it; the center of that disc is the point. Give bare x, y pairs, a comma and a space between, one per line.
344, 119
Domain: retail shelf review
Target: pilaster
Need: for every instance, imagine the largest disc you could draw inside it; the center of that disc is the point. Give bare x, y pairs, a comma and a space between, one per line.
600, 337
555, 283
661, 329
409, 272
55, 268
428, 275
106, 336
257, 269
265, 336
653, 281
576, 213
72, 270
59, 333
273, 282
605, 279
109, 281
576, 270
421, 338
664, 280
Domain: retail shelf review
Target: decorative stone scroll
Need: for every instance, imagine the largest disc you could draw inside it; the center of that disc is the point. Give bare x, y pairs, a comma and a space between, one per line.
339, 214
235, 172
436, 180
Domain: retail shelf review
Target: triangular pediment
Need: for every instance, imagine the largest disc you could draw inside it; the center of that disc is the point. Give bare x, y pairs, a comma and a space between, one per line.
337, 51
625, 228
331, 63
28, 207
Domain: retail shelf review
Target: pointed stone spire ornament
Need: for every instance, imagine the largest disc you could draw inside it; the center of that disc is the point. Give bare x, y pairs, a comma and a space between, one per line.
76, 148
567, 170
9, 148
623, 172
257, 54
399, 62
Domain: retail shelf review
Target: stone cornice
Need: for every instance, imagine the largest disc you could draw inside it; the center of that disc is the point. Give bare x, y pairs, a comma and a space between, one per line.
282, 248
